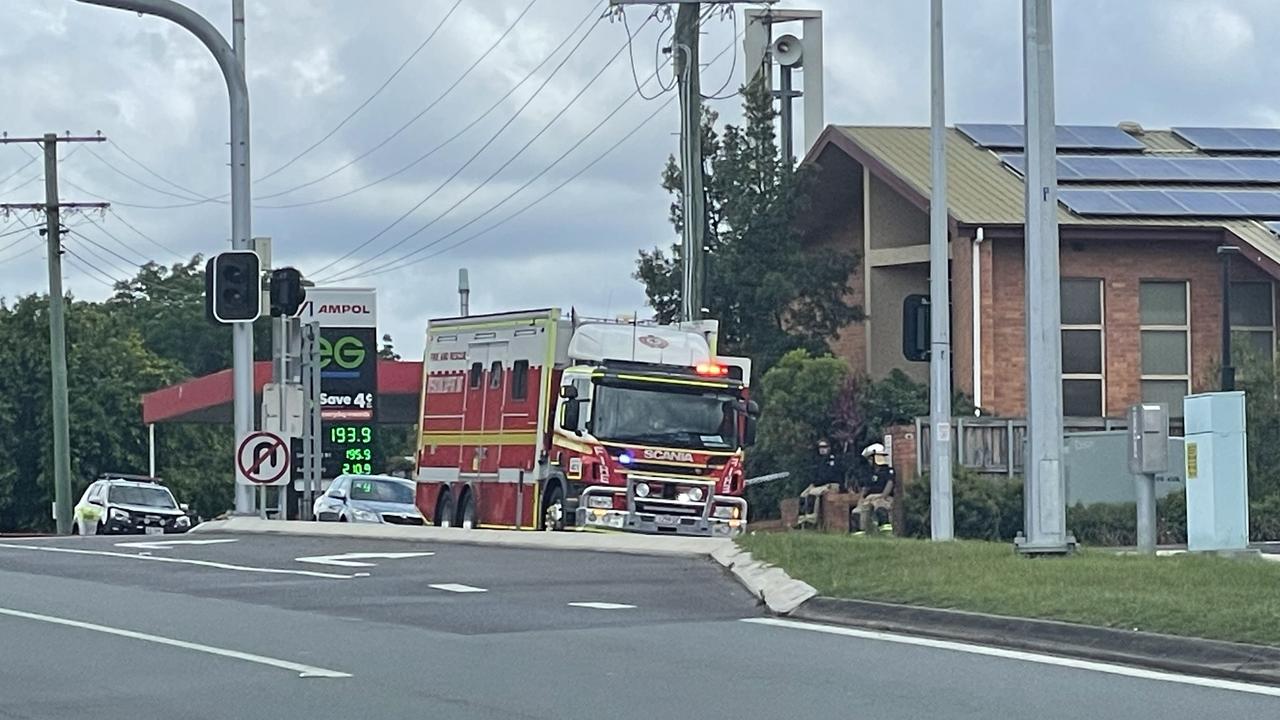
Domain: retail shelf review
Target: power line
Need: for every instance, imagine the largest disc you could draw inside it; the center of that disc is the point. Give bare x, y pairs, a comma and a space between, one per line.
24, 228
30, 159
481, 150
389, 267
415, 118
529, 206
369, 99
84, 266
448, 141
733, 69
143, 235
117, 240
128, 262
136, 181
34, 246
635, 76
160, 177
135, 206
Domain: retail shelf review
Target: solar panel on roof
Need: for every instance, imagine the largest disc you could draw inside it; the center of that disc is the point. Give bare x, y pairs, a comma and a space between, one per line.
1257, 204
1067, 137
1160, 169
1093, 202
1231, 139
1101, 137
1172, 202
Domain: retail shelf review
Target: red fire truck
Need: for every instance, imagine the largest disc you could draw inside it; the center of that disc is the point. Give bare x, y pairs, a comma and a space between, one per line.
537, 420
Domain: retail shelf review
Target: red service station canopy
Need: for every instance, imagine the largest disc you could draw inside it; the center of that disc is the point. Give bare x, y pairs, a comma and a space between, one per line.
208, 399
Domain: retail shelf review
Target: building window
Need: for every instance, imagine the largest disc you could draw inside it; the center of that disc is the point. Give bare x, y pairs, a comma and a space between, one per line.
477, 373
1165, 339
1082, 348
1253, 320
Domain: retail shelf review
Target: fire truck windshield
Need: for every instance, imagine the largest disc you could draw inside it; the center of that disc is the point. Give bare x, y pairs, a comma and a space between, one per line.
704, 421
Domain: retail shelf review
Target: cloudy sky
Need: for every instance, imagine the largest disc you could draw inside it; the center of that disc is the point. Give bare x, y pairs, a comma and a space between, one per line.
366, 200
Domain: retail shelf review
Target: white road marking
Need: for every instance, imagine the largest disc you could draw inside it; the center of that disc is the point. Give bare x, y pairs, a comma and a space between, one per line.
456, 588
170, 544
353, 559
181, 561
305, 671
602, 605
1024, 656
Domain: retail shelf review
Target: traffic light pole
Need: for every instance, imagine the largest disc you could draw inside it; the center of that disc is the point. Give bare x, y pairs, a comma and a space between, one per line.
231, 61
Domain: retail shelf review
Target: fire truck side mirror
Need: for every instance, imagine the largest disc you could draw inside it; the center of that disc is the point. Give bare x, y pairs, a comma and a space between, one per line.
572, 415
753, 409
749, 431
569, 392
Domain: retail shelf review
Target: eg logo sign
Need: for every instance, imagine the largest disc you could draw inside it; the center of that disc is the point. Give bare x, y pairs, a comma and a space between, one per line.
348, 353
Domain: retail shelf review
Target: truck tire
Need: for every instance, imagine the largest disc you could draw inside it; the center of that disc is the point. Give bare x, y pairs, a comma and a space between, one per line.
467, 515
553, 509
444, 511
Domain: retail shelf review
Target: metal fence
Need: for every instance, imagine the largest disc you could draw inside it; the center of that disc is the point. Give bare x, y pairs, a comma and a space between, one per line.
996, 446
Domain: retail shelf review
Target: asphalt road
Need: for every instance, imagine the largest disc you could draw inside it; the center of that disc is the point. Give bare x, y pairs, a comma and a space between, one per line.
244, 629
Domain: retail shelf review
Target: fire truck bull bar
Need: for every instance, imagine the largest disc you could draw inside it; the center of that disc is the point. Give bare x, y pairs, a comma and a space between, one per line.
655, 522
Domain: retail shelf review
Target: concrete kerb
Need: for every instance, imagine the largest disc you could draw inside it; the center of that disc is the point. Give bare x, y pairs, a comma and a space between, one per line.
771, 585
1185, 655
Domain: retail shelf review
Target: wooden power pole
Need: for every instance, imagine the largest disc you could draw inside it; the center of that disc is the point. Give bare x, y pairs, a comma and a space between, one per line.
52, 209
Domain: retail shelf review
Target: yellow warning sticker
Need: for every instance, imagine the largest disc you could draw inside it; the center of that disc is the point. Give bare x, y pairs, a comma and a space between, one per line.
1193, 461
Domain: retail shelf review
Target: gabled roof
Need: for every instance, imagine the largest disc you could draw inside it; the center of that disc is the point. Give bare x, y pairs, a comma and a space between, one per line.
982, 191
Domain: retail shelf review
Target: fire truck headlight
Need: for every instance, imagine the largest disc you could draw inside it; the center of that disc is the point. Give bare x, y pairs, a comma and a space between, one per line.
600, 501
696, 494
642, 490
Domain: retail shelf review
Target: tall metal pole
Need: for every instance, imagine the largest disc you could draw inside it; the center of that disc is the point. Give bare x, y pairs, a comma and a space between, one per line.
940, 515
57, 342
686, 44
230, 61
788, 116
1045, 496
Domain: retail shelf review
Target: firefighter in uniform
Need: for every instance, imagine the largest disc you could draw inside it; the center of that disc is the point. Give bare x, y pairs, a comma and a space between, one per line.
828, 477
875, 509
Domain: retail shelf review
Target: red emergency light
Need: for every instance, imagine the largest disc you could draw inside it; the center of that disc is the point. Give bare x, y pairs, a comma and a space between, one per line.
713, 370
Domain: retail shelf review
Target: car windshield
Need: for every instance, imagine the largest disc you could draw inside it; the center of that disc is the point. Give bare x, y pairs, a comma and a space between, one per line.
676, 419
389, 491
144, 496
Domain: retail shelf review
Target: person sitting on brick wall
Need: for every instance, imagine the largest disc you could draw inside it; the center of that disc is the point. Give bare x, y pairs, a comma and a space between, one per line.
828, 477
876, 506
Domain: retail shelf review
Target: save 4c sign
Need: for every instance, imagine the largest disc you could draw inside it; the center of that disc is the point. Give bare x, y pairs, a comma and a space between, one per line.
348, 375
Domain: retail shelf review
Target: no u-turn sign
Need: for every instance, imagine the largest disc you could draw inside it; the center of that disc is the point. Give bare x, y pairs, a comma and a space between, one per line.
262, 458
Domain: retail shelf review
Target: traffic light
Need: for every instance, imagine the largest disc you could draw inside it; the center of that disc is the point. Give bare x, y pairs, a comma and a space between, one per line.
232, 291
287, 292
915, 328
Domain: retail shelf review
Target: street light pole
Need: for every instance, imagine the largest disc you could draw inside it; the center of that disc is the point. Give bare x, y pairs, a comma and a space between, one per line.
941, 521
238, 94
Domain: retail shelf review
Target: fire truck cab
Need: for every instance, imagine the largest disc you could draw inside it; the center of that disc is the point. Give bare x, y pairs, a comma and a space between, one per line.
532, 420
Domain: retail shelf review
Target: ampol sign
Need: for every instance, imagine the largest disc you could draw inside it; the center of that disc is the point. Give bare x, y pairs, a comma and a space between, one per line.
348, 374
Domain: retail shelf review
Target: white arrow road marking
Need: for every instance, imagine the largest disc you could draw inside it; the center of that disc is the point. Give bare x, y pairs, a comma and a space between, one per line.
182, 561
302, 670
170, 544
1024, 656
602, 605
455, 587
353, 559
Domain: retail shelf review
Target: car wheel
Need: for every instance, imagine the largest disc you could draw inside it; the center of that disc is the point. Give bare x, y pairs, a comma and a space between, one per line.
467, 518
75, 527
98, 529
553, 513
342, 518
444, 511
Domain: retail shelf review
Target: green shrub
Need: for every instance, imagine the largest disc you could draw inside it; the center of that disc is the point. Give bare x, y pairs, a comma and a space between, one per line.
983, 508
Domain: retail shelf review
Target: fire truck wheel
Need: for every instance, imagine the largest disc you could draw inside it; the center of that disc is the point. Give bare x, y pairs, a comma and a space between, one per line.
467, 518
444, 511
553, 515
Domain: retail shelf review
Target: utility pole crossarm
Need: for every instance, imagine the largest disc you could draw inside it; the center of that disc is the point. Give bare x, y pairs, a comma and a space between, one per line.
41, 140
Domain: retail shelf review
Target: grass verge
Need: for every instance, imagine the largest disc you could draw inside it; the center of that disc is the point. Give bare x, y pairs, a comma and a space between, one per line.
1208, 597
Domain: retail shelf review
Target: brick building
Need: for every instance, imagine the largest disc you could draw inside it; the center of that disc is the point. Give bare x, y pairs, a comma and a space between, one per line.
1141, 217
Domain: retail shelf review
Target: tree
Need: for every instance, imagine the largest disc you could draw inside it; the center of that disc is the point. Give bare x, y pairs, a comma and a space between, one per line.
770, 292
800, 389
